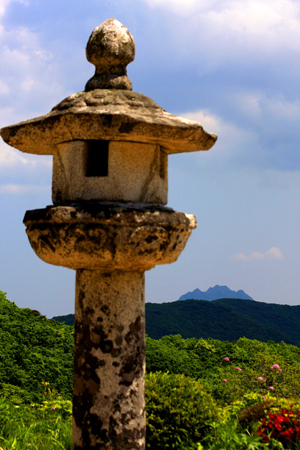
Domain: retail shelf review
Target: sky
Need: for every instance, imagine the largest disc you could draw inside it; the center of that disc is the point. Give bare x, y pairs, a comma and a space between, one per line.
231, 65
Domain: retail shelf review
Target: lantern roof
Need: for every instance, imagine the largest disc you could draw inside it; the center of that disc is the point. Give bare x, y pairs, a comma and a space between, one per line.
108, 109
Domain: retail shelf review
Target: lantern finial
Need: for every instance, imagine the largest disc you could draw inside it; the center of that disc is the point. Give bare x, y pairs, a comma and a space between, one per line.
110, 48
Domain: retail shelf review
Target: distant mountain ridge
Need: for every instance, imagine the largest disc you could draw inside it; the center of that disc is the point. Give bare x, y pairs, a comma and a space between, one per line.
215, 293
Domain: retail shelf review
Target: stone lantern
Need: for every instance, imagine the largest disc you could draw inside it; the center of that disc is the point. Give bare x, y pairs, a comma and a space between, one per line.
109, 223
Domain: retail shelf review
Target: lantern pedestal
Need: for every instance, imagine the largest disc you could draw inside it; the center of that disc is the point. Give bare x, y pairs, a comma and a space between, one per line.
110, 245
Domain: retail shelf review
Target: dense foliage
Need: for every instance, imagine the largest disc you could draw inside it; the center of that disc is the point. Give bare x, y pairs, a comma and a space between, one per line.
69, 319
225, 319
33, 350
179, 411
204, 359
201, 394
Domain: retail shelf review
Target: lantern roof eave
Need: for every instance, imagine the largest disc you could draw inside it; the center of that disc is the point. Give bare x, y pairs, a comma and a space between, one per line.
108, 114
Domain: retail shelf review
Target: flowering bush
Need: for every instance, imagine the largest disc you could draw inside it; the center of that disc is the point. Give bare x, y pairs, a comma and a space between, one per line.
276, 366
283, 426
241, 379
261, 379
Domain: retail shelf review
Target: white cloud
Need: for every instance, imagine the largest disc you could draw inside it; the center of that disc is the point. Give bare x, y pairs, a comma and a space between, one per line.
213, 32
255, 104
273, 254
3, 6
282, 108
270, 19
232, 139
180, 7
21, 189
261, 131
21, 173
12, 158
29, 74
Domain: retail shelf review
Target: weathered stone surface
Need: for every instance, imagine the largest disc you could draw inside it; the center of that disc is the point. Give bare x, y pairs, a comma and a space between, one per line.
136, 173
108, 236
109, 361
104, 114
110, 48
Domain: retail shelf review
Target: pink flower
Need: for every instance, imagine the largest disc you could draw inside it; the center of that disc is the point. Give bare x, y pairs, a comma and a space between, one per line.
261, 379
238, 368
276, 366
226, 358
53, 407
271, 388
221, 363
225, 381
263, 397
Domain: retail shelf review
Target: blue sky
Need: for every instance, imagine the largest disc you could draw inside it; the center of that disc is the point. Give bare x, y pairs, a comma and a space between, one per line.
234, 67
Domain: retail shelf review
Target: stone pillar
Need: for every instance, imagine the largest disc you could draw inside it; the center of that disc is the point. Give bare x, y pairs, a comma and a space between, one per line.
109, 361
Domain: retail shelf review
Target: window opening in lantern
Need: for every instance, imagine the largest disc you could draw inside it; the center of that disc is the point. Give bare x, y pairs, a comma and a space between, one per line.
97, 159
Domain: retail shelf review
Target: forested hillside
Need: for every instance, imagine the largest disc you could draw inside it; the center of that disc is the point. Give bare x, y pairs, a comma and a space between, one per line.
33, 350
225, 319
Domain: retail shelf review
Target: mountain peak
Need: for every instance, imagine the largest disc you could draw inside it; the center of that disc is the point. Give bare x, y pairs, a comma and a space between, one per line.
215, 293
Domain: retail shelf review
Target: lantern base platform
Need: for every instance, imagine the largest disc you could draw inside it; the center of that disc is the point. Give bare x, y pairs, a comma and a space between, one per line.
108, 236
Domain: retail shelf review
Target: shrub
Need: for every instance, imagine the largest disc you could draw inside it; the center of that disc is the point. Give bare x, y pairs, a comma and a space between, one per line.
253, 414
283, 426
228, 436
179, 411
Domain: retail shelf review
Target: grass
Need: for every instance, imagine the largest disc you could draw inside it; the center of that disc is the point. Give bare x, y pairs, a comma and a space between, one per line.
35, 427
47, 426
